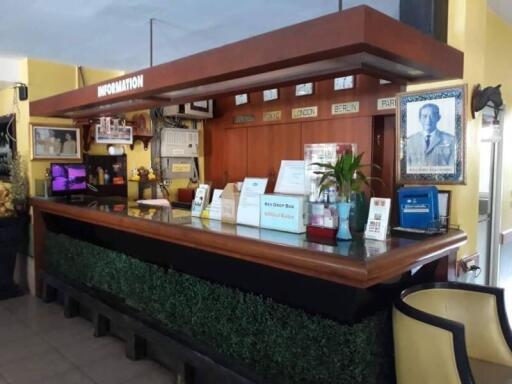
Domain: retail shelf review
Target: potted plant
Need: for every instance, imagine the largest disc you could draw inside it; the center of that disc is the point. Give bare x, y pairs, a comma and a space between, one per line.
347, 176
13, 223
19, 186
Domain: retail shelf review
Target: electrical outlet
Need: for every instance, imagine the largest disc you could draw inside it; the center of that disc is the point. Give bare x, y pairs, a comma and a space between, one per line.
464, 265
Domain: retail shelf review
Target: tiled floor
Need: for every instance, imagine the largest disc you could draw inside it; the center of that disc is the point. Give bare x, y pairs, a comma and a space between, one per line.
39, 346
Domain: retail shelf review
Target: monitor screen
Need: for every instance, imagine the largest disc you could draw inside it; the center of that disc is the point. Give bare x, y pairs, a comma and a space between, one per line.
68, 178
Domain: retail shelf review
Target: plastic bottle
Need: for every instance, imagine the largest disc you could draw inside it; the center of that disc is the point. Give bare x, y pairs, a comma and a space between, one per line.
101, 176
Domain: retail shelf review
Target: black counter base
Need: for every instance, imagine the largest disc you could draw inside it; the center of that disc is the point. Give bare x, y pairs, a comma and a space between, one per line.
12, 236
193, 364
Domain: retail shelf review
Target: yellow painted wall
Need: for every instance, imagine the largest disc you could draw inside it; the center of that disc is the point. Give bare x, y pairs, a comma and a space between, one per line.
45, 79
498, 70
466, 32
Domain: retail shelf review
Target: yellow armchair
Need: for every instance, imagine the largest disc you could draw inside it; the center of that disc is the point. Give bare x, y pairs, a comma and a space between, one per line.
448, 333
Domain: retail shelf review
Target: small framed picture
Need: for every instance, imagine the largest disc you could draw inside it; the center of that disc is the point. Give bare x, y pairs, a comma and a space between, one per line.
50, 142
345, 82
270, 94
107, 134
431, 127
201, 105
241, 99
444, 198
304, 89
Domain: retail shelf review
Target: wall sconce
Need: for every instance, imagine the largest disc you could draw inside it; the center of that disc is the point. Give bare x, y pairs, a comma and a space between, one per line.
115, 150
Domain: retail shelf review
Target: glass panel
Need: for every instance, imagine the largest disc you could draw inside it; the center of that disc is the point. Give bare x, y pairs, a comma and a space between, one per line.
486, 169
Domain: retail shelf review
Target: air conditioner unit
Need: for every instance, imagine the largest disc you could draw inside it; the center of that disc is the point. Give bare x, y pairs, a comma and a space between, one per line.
194, 110
179, 142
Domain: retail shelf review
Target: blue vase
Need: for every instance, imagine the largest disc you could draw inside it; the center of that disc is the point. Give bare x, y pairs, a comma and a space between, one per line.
343, 228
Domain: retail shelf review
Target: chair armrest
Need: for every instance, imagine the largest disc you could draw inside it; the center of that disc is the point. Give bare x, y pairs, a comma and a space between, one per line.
428, 349
482, 311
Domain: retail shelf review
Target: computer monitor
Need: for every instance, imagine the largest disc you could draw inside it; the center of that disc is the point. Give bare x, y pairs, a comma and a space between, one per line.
68, 179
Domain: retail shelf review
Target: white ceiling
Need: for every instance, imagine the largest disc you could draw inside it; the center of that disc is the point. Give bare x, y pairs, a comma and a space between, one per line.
502, 8
115, 33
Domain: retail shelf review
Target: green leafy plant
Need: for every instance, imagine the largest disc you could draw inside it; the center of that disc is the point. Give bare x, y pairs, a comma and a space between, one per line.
281, 344
19, 185
346, 175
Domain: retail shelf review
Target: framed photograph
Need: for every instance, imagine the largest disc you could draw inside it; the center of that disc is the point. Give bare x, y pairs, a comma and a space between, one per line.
270, 94
241, 99
201, 106
444, 208
7, 145
431, 128
345, 82
122, 134
304, 89
56, 143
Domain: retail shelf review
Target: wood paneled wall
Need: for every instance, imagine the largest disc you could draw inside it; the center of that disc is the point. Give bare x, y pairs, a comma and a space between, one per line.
256, 148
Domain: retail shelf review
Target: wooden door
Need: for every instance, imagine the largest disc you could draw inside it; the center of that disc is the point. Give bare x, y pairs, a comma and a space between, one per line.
268, 145
235, 154
383, 155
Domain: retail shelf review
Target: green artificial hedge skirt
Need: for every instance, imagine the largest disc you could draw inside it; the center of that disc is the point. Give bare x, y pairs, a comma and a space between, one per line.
279, 343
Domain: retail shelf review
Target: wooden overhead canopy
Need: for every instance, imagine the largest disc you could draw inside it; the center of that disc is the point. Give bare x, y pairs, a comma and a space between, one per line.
358, 40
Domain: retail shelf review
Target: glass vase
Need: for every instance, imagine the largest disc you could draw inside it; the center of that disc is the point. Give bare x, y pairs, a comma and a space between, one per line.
343, 228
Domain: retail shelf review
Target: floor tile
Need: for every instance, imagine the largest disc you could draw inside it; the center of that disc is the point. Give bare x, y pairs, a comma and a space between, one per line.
154, 375
48, 321
15, 331
6, 302
17, 349
87, 350
28, 306
116, 369
6, 318
73, 376
39, 346
36, 368
74, 331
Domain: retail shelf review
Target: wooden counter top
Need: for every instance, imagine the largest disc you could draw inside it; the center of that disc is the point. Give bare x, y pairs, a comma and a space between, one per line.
359, 263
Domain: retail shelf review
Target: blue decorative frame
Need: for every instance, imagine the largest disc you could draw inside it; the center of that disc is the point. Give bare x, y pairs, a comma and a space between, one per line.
459, 177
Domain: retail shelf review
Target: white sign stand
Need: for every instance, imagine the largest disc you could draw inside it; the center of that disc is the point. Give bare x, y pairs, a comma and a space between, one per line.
291, 178
249, 205
378, 219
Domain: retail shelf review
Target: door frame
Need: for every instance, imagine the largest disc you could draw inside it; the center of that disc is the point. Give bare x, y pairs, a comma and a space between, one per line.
497, 190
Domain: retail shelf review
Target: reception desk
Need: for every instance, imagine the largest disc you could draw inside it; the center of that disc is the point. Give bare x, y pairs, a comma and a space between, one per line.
278, 289
359, 263
241, 256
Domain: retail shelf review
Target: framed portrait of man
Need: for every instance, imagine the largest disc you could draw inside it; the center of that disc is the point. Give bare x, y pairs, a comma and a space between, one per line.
51, 142
431, 126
